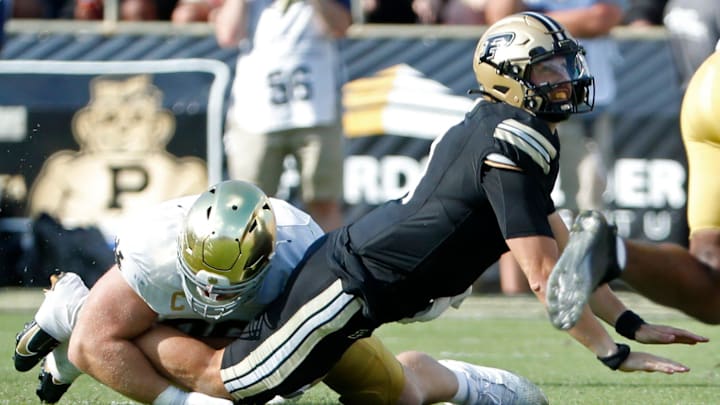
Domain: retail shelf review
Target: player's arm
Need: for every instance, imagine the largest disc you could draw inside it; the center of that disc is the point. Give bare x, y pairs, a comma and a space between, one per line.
536, 256
185, 359
334, 15
231, 23
497, 9
101, 344
608, 307
534, 237
592, 21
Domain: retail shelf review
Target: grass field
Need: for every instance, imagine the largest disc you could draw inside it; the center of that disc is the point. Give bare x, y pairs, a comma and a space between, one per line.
506, 332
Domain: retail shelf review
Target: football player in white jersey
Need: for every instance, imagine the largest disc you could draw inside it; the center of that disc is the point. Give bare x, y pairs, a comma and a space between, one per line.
206, 265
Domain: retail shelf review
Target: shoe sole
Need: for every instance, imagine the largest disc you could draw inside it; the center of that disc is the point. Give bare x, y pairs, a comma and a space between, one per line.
572, 280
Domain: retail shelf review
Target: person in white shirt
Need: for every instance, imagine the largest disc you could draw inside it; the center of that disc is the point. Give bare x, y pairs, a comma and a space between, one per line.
286, 97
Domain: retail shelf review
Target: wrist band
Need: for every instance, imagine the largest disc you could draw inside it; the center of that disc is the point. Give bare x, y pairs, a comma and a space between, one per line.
628, 323
614, 361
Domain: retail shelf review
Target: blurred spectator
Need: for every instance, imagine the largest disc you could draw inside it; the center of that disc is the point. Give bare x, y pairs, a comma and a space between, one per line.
389, 11
4, 15
428, 11
643, 13
188, 11
694, 28
57, 8
47, 9
130, 10
286, 97
26, 9
89, 9
469, 12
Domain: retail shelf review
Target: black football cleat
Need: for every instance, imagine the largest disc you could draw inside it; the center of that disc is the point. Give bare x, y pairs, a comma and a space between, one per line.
50, 390
32, 344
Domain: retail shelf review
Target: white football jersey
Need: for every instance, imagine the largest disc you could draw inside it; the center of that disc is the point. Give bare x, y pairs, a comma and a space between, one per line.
147, 255
287, 74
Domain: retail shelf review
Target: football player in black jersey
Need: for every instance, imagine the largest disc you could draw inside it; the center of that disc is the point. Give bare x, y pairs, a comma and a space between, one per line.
486, 190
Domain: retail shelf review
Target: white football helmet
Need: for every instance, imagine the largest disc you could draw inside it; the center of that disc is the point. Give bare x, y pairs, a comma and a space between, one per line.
225, 247
509, 50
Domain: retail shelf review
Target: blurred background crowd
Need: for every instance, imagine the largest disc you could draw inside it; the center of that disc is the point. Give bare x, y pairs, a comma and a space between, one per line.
640, 12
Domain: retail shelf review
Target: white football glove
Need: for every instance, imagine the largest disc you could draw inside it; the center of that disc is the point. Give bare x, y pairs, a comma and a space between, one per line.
438, 306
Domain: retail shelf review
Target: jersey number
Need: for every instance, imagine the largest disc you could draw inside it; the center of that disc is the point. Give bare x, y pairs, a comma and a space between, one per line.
286, 87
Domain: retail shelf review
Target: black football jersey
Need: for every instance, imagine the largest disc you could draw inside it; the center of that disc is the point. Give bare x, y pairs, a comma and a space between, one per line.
488, 179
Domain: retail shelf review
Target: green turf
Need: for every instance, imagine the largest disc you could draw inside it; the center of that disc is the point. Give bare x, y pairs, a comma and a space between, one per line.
510, 333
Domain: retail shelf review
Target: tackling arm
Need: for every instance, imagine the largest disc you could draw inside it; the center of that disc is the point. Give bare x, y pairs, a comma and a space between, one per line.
185, 359
101, 344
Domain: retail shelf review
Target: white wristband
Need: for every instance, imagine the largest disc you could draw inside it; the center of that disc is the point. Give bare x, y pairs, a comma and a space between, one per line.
196, 398
171, 396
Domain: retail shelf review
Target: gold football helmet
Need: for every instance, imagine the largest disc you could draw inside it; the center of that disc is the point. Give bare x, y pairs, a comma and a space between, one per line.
510, 49
225, 246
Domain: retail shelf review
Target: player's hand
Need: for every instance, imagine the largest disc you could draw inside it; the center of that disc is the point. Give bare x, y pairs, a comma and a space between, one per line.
662, 334
639, 361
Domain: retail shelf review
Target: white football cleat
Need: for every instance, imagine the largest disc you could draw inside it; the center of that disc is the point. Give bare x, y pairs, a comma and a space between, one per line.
493, 386
590, 259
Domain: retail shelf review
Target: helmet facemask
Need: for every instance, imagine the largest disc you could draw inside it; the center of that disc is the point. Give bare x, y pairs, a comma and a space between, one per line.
212, 296
555, 100
225, 248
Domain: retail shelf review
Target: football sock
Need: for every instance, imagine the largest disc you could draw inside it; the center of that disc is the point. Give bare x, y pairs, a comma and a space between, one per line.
57, 363
461, 396
171, 396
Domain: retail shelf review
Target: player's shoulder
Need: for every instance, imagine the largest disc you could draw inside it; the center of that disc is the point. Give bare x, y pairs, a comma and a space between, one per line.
520, 137
293, 224
287, 214
161, 218
710, 66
